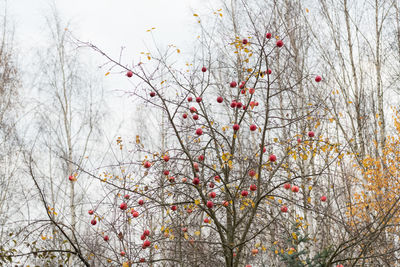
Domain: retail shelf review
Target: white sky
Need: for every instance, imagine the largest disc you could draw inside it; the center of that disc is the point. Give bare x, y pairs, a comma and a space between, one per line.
109, 24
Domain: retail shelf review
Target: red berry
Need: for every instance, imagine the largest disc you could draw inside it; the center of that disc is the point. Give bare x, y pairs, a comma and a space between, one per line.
193, 110
311, 134
147, 243
206, 220
174, 208
323, 198
287, 186
189, 99
211, 185
135, 214
318, 79
195, 117
279, 43
122, 253
126, 196
106, 238
203, 69
93, 222
141, 202
269, 71
220, 99
295, 189
272, 158
201, 157
147, 164
239, 104
166, 158
243, 91
268, 35
166, 172
91, 212
210, 204
253, 127
252, 173
146, 232
196, 181
253, 187
251, 91
123, 206
233, 84
284, 209
244, 41
199, 131
143, 237
184, 116
212, 195
71, 178
142, 260
129, 74
244, 193
236, 127
198, 99
233, 104
152, 94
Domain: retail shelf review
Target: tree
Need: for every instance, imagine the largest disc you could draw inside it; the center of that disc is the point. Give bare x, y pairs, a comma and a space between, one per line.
235, 139
66, 118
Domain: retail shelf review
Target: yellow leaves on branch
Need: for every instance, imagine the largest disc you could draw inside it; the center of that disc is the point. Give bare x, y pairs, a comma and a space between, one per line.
381, 179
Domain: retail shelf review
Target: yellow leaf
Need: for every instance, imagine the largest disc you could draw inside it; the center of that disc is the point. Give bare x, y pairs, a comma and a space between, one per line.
186, 236
226, 156
177, 50
294, 236
171, 237
309, 199
197, 202
44, 238
230, 164
307, 10
195, 15
107, 73
125, 264
197, 233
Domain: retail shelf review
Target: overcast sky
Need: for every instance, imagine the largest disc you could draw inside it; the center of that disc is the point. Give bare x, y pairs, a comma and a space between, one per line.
109, 24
